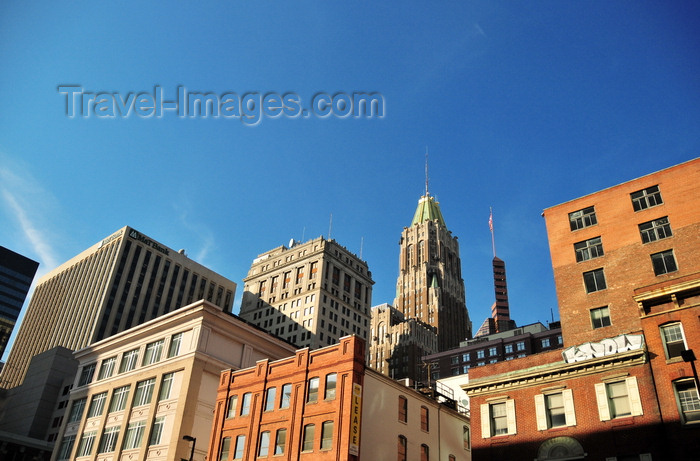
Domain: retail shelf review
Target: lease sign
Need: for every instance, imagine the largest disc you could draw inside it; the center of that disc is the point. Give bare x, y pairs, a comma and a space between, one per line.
356, 414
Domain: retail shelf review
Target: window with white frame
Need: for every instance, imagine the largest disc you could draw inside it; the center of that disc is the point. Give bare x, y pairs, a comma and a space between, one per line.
166, 386
688, 400
673, 339
618, 399
245, 403
129, 360
239, 448
109, 439
555, 409
87, 442
600, 317
144, 392
66, 448
175, 343
97, 405
107, 367
157, 431
153, 352
134, 434
498, 418
118, 402
86, 374
76, 410
270, 397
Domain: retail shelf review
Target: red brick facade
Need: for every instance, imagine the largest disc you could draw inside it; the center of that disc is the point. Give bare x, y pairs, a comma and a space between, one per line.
626, 261
344, 361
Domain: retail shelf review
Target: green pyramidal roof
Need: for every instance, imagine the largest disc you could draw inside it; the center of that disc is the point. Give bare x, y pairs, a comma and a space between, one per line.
428, 210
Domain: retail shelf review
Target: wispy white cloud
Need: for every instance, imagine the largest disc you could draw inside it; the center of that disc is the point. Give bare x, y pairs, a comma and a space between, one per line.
27, 205
203, 233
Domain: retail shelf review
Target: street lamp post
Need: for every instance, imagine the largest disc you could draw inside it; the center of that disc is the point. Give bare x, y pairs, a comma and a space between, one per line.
189, 438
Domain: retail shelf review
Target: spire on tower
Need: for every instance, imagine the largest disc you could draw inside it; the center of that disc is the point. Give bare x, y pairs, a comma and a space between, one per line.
426, 171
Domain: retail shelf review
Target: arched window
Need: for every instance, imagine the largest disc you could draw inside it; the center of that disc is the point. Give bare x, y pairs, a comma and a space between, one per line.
424, 453
403, 443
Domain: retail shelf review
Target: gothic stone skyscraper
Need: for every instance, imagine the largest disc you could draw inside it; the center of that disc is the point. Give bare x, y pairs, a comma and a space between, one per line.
430, 285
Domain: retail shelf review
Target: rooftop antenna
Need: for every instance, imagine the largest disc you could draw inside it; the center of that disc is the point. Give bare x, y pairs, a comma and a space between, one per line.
493, 239
330, 227
303, 232
362, 244
426, 171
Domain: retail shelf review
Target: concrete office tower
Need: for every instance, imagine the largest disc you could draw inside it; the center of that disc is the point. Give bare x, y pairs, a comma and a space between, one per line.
118, 283
310, 294
430, 285
16, 275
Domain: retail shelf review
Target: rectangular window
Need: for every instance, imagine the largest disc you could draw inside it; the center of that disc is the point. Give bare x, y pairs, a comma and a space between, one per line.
508, 348
657, 229
225, 448
270, 398
588, 249
144, 392
134, 435
175, 342
153, 352
499, 421
466, 438
119, 396
129, 360
157, 431
86, 374
600, 317
76, 410
313, 391
465, 357
646, 198
286, 396
307, 443
555, 410
480, 354
520, 345
498, 418
166, 386
545, 342
664, 262
109, 440
403, 409
264, 446
245, 404
424, 419
688, 401
582, 218
331, 379
97, 404
618, 399
280, 441
231, 406
107, 367
327, 435
87, 442
239, 449
594, 280
66, 448
493, 351
673, 339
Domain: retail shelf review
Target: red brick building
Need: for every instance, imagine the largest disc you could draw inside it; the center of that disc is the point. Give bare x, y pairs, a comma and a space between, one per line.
626, 266
326, 405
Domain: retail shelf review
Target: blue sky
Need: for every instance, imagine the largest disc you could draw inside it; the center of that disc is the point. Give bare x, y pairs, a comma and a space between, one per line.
523, 105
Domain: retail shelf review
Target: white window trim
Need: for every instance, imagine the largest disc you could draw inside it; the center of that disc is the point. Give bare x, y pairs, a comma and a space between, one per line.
635, 401
541, 409
486, 418
663, 337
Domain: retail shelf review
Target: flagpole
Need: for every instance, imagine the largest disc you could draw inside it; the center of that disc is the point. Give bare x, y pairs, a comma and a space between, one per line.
493, 239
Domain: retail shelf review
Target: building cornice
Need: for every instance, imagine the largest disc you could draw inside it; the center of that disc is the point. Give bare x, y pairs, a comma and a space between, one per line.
553, 372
